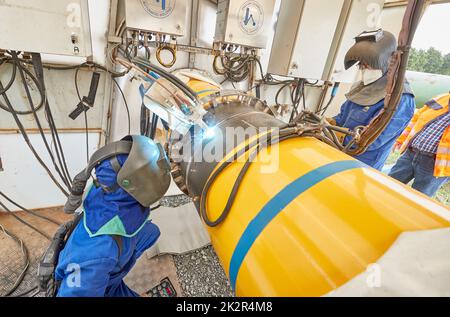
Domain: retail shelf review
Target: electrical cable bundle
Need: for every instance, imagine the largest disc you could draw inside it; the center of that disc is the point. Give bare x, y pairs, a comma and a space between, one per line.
259, 145
131, 50
297, 94
330, 101
125, 103
57, 157
59, 163
235, 69
142, 41
323, 130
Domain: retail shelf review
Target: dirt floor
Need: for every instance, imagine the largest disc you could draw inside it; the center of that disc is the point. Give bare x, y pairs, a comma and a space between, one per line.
194, 274
11, 258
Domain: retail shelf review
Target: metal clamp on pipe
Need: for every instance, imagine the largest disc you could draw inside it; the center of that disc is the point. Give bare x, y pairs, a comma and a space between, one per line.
167, 47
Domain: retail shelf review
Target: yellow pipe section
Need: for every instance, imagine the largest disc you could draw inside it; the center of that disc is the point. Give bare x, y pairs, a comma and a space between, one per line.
308, 218
312, 223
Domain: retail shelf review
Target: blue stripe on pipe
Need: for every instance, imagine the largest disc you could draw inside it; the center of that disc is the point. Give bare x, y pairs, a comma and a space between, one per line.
277, 205
206, 91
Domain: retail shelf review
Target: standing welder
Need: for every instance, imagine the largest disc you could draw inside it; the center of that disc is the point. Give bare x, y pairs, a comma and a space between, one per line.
366, 99
115, 229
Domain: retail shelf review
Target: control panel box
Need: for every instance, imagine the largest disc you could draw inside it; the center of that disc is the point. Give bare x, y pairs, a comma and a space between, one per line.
59, 27
313, 36
244, 22
304, 36
154, 16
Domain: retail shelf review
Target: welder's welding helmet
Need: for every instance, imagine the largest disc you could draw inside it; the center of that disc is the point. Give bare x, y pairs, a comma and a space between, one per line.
145, 175
374, 51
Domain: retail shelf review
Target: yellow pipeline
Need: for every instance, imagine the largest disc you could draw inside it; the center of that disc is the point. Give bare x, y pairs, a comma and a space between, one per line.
344, 218
313, 223
202, 88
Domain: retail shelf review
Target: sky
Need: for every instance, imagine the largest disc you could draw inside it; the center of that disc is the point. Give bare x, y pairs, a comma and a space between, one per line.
434, 29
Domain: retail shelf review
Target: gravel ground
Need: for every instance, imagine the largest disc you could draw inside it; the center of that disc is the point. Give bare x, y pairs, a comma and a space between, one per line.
175, 201
201, 275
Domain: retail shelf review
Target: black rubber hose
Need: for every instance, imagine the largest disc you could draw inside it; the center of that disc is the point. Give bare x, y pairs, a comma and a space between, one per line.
34, 79
125, 103
24, 222
12, 80
26, 261
29, 211
31, 147
26, 292
277, 96
173, 79
37, 64
36, 118
285, 134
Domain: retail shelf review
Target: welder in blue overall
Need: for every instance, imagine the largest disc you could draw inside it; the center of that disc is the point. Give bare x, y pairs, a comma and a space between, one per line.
115, 229
366, 98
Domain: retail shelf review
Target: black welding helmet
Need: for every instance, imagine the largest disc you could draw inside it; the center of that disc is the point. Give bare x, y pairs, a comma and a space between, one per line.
372, 48
145, 175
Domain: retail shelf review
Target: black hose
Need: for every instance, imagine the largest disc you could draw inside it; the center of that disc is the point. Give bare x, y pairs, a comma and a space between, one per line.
23, 70
88, 65
29, 211
26, 292
284, 134
24, 222
126, 105
31, 147
171, 78
37, 63
12, 80
38, 82
26, 261
277, 95
57, 142
36, 118
296, 96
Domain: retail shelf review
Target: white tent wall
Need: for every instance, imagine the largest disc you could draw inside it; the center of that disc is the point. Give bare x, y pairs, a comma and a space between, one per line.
23, 179
12, 147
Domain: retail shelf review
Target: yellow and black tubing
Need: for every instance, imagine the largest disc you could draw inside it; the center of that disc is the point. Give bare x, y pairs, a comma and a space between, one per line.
171, 49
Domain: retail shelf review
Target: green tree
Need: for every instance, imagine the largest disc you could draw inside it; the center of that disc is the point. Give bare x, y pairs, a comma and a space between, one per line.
446, 65
434, 61
417, 59
429, 61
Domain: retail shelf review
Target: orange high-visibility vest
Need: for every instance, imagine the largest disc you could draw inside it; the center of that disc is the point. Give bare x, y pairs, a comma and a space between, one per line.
432, 110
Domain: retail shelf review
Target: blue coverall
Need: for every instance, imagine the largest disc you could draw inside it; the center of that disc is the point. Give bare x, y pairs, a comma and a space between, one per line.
353, 115
90, 264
